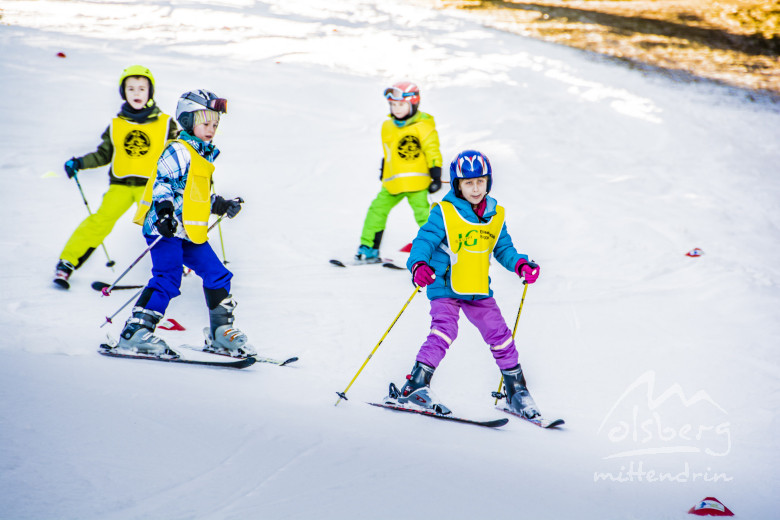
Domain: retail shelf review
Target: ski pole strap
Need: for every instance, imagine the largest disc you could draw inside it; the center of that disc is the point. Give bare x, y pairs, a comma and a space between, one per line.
343, 395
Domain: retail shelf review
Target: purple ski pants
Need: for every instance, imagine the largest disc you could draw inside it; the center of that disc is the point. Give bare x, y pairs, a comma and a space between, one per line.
484, 314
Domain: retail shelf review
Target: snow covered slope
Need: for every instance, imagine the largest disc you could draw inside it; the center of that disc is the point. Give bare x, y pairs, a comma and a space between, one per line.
664, 366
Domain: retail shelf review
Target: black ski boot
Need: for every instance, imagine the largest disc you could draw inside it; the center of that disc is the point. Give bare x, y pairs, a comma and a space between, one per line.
62, 273
518, 398
417, 390
138, 334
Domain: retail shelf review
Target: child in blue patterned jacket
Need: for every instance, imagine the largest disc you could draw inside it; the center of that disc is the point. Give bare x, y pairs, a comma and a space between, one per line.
175, 212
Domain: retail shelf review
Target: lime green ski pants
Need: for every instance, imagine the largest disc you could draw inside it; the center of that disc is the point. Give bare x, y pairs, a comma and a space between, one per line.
96, 227
380, 208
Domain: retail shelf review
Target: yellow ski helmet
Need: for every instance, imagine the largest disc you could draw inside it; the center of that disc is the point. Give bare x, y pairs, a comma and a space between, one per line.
136, 70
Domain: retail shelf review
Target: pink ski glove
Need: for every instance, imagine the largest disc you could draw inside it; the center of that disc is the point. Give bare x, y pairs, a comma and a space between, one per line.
422, 274
529, 271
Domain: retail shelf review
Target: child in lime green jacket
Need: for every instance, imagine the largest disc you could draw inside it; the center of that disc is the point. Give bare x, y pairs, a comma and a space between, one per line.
411, 166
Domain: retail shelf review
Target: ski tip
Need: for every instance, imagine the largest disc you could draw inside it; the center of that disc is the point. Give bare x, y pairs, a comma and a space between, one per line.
391, 265
288, 361
338, 263
99, 286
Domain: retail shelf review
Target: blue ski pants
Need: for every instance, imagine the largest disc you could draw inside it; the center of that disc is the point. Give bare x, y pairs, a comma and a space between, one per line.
168, 257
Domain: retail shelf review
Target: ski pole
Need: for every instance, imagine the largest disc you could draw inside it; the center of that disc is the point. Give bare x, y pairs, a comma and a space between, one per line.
343, 395
219, 227
110, 262
514, 331
109, 318
222, 244
107, 290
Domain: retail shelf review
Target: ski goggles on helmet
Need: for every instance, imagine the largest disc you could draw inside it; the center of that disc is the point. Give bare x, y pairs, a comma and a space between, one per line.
396, 94
216, 104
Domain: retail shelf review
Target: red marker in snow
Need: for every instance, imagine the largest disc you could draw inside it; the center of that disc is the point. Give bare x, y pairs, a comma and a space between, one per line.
693, 253
170, 324
61, 55
710, 506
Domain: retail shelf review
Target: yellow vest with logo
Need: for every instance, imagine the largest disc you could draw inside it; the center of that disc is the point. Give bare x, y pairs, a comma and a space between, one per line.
196, 203
137, 146
406, 167
470, 247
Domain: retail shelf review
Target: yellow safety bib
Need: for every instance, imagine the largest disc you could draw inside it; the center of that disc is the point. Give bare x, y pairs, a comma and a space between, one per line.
470, 247
406, 167
196, 203
137, 146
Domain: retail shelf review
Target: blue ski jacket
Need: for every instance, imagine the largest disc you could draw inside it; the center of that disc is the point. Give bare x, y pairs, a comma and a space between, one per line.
431, 239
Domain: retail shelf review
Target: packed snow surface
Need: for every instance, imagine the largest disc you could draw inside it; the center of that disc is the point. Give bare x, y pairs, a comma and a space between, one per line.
664, 366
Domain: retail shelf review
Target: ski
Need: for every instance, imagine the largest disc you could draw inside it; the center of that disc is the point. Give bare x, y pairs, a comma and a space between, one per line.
258, 359
538, 421
107, 350
495, 423
384, 262
99, 286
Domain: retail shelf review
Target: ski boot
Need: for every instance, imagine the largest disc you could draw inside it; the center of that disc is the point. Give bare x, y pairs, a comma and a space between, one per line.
62, 272
367, 255
518, 398
221, 336
138, 334
417, 390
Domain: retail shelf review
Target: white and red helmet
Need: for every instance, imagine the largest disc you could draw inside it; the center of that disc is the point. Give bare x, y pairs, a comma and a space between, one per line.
404, 91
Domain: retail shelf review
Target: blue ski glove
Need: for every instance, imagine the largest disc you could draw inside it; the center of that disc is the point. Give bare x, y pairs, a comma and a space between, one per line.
221, 206
165, 224
72, 167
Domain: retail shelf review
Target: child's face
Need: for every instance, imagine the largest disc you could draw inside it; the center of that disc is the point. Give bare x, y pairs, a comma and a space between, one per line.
399, 109
474, 190
206, 131
137, 91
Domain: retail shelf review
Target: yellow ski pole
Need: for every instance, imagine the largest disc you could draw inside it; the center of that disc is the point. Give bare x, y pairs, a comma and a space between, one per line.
343, 395
517, 320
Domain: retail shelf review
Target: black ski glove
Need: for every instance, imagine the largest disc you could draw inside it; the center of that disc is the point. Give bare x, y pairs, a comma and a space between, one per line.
165, 224
221, 206
436, 179
72, 167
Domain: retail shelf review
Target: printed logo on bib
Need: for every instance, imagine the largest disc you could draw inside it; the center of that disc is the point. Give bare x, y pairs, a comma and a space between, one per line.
137, 143
472, 237
409, 148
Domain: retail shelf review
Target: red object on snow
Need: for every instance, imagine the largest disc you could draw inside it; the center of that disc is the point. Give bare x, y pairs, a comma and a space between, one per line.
170, 324
710, 506
693, 253
407, 248
61, 55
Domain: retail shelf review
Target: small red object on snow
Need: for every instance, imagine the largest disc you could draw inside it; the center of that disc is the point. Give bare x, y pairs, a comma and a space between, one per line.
170, 324
407, 248
710, 506
693, 253
61, 55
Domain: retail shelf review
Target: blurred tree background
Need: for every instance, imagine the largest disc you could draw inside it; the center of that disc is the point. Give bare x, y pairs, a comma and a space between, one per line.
734, 42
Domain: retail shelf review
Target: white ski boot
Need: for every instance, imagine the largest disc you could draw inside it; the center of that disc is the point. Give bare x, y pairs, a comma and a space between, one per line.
417, 391
518, 398
138, 334
222, 337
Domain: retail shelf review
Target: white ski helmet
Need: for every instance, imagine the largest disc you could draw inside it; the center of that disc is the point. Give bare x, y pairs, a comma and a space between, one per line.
194, 100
